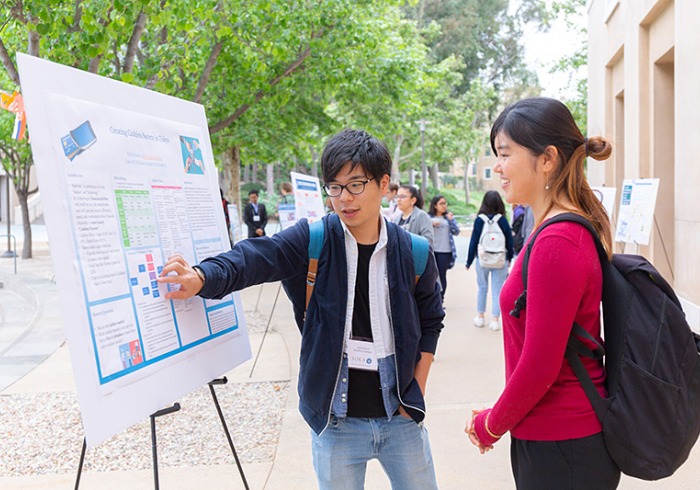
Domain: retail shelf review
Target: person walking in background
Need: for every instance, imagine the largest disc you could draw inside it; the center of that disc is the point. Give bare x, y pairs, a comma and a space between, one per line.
255, 216
412, 218
287, 193
225, 204
522, 225
516, 223
556, 437
392, 210
492, 214
444, 228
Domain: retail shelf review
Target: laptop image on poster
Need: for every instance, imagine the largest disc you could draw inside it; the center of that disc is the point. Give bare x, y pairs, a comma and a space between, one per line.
78, 140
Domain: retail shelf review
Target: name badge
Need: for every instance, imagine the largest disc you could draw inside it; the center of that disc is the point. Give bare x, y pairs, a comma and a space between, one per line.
256, 218
361, 355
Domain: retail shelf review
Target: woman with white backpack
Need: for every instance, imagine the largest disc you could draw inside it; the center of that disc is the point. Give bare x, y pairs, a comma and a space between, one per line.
491, 246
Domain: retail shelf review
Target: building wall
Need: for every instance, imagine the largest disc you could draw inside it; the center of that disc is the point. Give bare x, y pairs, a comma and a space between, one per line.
644, 76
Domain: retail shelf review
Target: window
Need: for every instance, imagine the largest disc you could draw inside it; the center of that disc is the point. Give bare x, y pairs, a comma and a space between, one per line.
487, 173
473, 170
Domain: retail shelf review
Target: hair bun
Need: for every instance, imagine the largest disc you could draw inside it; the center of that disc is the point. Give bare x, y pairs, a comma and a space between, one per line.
598, 148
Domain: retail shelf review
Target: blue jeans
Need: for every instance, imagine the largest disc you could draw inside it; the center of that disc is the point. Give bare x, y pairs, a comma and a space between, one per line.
341, 453
498, 277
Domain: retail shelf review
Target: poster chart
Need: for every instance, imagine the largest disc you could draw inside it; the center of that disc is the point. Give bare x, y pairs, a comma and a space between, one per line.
308, 197
607, 195
636, 215
128, 179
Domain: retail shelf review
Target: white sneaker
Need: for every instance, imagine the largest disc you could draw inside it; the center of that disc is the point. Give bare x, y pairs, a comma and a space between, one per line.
479, 321
495, 325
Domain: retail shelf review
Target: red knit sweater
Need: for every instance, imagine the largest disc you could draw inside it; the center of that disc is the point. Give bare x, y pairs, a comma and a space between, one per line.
543, 400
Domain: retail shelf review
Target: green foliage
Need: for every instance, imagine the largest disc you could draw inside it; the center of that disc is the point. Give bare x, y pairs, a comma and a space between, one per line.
278, 77
575, 63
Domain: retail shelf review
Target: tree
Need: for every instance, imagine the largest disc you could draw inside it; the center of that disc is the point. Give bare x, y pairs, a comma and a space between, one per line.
574, 64
16, 159
243, 60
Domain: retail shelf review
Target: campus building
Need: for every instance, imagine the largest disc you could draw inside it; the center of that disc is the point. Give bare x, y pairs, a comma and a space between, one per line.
643, 94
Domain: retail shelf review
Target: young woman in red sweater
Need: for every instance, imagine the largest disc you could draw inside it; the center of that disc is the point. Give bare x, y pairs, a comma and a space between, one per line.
556, 438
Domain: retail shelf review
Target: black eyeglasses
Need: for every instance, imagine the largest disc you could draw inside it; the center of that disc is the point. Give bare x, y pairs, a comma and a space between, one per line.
355, 188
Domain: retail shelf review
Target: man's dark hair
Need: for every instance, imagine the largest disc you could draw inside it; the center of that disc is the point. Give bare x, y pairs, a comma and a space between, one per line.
358, 148
254, 191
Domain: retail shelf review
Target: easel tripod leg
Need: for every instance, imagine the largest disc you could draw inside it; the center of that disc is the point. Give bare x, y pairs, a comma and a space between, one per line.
165, 411
80, 464
223, 381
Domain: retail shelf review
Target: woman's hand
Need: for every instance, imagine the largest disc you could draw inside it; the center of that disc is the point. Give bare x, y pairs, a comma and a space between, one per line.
469, 430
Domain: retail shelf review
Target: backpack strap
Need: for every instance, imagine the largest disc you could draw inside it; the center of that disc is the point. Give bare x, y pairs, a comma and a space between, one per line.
420, 250
316, 231
521, 302
574, 347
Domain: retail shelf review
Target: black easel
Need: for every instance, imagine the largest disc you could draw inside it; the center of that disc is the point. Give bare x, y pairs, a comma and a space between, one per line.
165, 411
223, 381
154, 447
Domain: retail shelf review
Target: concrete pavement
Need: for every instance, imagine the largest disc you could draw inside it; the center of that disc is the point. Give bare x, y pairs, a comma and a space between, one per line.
467, 373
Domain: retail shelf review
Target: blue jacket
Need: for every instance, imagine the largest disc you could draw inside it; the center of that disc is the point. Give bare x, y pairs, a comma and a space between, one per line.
416, 309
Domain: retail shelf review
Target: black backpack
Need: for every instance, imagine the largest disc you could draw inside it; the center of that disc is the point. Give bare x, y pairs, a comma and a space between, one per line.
651, 417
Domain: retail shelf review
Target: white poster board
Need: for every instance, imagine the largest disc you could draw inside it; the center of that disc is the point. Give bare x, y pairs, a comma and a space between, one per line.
308, 197
607, 196
287, 214
235, 220
128, 179
636, 215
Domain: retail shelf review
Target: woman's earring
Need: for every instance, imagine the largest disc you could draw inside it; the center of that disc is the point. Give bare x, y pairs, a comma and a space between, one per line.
546, 187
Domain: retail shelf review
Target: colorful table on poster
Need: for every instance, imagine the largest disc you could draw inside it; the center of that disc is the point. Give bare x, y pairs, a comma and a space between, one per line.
308, 197
128, 179
636, 215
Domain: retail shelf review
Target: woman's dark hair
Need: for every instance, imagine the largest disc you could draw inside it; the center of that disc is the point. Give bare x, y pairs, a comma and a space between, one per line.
415, 192
358, 148
432, 211
540, 122
492, 204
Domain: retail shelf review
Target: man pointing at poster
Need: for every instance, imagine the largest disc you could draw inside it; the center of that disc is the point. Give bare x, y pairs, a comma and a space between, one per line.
366, 304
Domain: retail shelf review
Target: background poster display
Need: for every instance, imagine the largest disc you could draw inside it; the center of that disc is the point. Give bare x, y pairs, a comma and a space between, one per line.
606, 195
235, 223
287, 213
308, 197
130, 178
636, 216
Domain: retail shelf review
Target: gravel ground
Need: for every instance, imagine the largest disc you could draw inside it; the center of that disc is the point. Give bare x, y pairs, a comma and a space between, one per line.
42, 433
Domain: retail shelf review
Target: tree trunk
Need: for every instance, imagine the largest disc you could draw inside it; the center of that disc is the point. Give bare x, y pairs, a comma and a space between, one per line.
270, 168
246, 173
435, 177
231, 163
466, 181
254, 174
27, 247
314, 161
395, 171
